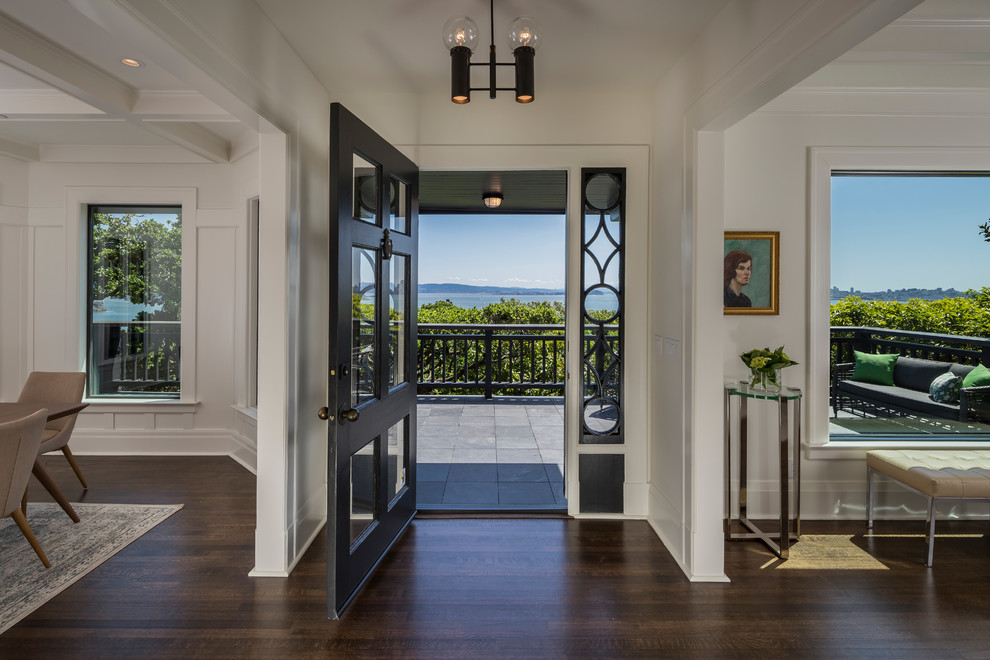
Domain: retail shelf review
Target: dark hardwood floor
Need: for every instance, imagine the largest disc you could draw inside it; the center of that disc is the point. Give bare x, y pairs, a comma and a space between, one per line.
489, 588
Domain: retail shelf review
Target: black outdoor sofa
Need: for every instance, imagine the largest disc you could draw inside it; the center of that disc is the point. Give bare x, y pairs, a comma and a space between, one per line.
909, 393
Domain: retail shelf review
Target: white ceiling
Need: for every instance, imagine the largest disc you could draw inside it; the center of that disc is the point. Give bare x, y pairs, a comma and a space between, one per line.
62, 84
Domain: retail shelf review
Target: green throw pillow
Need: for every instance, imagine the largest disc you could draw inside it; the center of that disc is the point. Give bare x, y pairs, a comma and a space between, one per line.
877, 369
945, 388
977, 377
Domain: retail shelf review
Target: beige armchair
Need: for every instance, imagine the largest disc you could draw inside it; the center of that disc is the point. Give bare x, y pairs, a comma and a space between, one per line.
56, 386
19, 442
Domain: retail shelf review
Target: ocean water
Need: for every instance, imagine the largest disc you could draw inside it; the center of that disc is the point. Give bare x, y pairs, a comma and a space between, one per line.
121, 311
468, 300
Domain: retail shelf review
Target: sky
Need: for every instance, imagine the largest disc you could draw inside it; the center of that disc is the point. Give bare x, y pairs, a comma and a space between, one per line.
903, 232
492, 250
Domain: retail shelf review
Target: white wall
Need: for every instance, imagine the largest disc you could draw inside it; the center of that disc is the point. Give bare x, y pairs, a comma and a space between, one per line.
15, 285
51, 272
750, 53
767, 179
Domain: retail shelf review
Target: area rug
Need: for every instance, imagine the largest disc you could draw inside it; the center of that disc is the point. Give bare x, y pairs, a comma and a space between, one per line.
74, 549
829, 552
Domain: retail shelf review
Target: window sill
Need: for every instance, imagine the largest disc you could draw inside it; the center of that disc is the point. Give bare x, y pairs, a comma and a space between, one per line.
170, 406
856, 449
248, 413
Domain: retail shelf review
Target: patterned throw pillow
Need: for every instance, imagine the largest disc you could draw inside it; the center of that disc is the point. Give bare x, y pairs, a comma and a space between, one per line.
945, 388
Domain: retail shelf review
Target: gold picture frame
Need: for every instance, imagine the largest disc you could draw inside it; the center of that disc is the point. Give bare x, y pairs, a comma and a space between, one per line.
751, 288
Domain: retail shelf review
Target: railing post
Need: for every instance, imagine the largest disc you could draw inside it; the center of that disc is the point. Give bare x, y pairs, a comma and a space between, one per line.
488, 363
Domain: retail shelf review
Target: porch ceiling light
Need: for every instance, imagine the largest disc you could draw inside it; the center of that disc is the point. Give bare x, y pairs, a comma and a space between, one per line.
460, 35
492, 199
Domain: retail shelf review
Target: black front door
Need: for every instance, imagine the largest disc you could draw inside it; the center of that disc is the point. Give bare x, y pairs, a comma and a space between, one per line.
371, 481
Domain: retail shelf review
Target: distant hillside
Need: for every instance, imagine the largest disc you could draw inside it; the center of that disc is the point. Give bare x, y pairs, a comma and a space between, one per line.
488, 290
896, 294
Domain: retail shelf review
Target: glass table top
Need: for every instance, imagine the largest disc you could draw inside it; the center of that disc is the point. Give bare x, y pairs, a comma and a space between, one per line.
743, 388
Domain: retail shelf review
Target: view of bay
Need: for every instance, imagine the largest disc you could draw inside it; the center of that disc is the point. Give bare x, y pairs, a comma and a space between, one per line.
479, 300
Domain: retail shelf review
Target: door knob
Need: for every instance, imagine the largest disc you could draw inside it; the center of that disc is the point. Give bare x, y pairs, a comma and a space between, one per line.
349, 415
324, 413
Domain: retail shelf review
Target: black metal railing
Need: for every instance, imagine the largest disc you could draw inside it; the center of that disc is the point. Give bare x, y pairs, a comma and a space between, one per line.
495, 359
134, 357
909, 343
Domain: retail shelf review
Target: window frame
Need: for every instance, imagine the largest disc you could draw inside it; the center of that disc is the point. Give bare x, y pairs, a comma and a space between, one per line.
823, 162
91, 210
78, 200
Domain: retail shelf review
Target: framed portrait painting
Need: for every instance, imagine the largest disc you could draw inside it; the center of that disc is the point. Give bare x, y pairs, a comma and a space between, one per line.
751, 272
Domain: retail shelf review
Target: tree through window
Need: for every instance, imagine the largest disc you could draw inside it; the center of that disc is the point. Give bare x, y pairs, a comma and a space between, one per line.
134, 300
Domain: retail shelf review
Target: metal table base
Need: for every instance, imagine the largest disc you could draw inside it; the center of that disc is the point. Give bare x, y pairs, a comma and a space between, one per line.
778, 542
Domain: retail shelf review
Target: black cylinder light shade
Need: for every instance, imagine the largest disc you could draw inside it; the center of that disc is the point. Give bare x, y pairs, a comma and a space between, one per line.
460, 36
460, 74
525, 87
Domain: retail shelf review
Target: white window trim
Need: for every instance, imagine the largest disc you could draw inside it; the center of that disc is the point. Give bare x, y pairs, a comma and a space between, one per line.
77, 201
825, 160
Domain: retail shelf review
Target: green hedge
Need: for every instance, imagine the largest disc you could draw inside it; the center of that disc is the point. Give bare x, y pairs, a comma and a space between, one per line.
968, 315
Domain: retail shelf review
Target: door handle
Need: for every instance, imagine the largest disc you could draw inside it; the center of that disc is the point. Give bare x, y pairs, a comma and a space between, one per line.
324, 413
349, 415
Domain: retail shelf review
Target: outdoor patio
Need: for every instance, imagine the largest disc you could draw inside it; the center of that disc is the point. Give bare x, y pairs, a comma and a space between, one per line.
502, 453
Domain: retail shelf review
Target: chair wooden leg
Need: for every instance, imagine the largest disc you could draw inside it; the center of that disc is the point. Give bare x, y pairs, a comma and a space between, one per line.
24, 502
22, 522
75, 466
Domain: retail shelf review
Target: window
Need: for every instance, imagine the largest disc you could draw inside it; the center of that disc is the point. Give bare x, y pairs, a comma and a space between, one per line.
909, 271
134, 300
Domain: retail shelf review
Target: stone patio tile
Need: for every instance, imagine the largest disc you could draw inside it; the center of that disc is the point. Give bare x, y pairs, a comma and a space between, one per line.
555, 475
447, 411
429, 440
553, 455
519, 456
487, 422
475, 432
479, 410
551, 444
513, 442
470, 493
507, 432
480, 442
431, 472
434, 455
521, 472
472, 455
558, 493
472, 472
430, 492
526, 494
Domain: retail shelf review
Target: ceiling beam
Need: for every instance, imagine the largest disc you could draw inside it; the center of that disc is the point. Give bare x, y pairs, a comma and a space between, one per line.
27, 51
18, 151
31, 53
192, 137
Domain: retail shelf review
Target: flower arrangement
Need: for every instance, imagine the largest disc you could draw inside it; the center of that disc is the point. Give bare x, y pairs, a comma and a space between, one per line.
765, 365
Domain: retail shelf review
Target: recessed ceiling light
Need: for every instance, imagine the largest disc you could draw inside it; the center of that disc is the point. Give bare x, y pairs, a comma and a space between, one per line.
127, 61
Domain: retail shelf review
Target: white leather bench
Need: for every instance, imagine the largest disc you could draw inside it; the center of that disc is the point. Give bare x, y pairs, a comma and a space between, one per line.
955, 474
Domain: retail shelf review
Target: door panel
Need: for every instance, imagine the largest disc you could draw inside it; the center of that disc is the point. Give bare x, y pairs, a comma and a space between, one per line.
372, 383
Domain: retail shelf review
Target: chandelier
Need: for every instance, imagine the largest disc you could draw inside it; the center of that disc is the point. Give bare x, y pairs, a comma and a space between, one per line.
460, 35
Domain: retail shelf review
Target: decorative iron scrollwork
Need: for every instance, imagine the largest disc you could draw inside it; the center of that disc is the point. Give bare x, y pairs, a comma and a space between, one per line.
602, 274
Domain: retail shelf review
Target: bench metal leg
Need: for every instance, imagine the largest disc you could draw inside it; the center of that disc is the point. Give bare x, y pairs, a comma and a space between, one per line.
870, 474
931, 531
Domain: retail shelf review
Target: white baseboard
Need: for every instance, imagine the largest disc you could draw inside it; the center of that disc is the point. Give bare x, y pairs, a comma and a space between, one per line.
170, 442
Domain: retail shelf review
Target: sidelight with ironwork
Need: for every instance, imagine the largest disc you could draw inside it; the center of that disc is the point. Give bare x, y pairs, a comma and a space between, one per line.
602, 270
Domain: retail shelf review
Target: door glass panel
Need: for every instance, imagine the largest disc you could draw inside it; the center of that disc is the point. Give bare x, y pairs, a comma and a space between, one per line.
399, 211
363, 509
397, 459
398, 295
363, 313
365, 190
